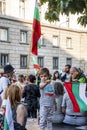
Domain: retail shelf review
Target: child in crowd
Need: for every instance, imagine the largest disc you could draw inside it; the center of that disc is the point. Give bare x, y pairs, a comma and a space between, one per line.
47, 99
58, 116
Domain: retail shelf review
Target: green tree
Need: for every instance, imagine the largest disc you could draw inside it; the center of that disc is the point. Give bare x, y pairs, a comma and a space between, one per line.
57, 7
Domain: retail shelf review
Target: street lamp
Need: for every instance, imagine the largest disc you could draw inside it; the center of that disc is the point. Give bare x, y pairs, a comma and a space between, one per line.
67, 21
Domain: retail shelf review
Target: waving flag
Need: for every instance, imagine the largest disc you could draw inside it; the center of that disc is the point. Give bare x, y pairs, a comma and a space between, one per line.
78, 95
35, 64
8, 121
36, 30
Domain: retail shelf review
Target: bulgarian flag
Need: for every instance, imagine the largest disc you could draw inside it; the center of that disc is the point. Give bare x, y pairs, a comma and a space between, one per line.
36, 34
8, 121
35, 64
78, 95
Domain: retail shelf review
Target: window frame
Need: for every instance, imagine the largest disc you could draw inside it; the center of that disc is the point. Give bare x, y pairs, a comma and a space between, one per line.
67, 59
5, 56
68, 42
57, 44
2, 7
21, 8
21, 37
54, 66
7, 34
42, 41
41, 61
22, 64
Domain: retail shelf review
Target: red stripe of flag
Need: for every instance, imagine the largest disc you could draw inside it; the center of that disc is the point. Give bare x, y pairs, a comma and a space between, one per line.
36, 31
68, 86
36, 66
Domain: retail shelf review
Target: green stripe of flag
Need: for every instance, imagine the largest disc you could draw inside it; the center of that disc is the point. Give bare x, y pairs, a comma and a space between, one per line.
36, 13
6, 127
75, 90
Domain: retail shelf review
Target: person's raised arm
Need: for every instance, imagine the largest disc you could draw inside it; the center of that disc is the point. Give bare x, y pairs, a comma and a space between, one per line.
43, 85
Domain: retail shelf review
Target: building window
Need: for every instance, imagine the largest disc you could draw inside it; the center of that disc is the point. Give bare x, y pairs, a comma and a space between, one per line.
3, 34
55, 41
68, 42
23, 36
23, 61
4, 59
3, 6
41, 40
55, 62
41, 61
69, 61
22, 8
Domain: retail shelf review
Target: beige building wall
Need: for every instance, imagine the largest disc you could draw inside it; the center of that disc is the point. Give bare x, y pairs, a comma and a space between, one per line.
14, 48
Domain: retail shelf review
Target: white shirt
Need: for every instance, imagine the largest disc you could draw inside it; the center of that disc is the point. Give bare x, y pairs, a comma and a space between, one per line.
4, 81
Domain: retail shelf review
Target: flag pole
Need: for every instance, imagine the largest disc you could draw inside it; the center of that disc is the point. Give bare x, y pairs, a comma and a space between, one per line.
36, 33
29, 54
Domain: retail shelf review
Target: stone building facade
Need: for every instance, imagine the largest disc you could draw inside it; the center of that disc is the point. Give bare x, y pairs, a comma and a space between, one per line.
59, 45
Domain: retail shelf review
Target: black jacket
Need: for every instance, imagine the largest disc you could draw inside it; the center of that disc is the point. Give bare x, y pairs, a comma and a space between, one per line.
31, 93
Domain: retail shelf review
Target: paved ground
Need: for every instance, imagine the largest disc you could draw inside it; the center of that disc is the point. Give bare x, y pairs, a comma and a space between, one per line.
32, 124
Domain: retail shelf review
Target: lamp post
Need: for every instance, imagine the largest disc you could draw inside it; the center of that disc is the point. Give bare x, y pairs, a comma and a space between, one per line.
60, 39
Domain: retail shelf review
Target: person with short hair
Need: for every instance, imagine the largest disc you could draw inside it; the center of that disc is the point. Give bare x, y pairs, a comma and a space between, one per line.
31, 93
5, 80
47, 99
65, 76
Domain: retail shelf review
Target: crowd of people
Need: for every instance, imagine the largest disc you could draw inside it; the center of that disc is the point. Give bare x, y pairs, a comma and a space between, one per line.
43, 97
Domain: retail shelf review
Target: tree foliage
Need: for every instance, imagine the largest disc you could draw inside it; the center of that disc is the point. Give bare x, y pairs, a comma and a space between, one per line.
57, 7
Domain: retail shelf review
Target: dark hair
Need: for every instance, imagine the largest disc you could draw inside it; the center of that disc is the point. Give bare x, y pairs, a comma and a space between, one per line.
54, 77
58, 88
44, 71
32, 78
8, 68
21, 75
69, 66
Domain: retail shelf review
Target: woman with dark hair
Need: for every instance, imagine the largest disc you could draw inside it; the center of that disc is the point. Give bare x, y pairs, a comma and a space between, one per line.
31, 93
56, 77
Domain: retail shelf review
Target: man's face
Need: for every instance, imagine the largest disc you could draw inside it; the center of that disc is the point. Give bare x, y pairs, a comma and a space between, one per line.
71, 71
67, 69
